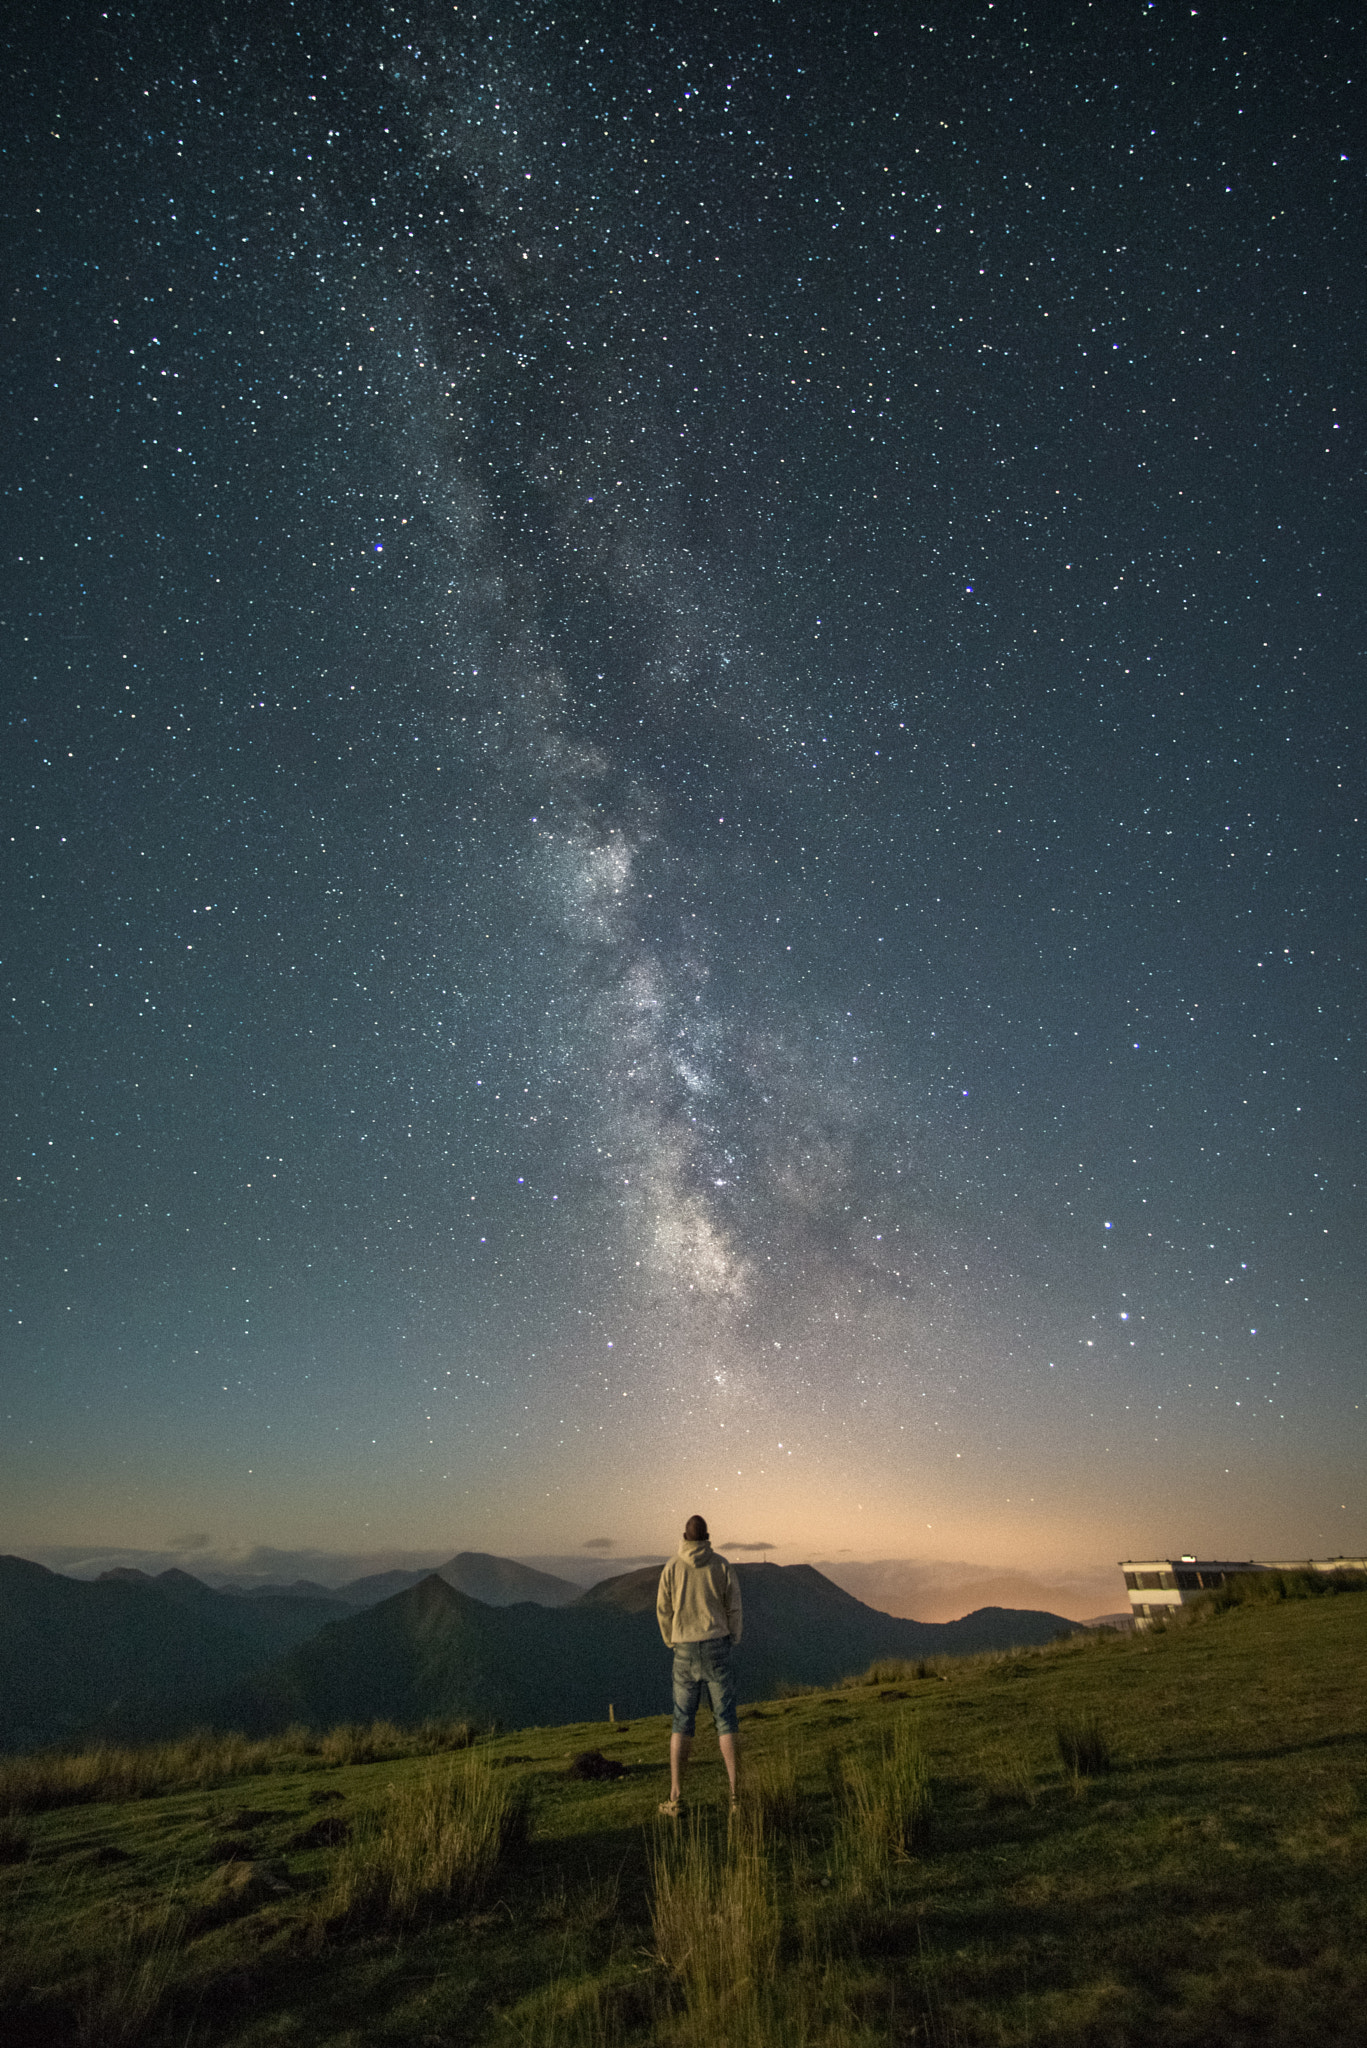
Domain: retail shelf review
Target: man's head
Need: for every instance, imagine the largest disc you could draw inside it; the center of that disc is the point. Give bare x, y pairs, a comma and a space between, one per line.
695, 1530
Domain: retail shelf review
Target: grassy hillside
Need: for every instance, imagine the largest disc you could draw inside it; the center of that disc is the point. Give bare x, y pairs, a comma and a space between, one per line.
1111, 1840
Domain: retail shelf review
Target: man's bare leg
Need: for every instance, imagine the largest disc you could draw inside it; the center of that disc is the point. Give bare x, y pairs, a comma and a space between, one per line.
730, 1759
679, 1746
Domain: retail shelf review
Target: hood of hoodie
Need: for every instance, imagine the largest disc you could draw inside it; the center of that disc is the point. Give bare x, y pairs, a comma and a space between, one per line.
696, 1553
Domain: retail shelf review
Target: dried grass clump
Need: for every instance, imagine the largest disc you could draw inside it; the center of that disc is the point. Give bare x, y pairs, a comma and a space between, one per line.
886, 1810
716, 1927
770, 1801
1007, 1777
1083, 1748
900, 1670
118, 2001
359, 1742
377, 1742
436, 1840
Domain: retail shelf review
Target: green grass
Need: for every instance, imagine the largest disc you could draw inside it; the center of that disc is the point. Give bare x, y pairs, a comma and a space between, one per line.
916, 1860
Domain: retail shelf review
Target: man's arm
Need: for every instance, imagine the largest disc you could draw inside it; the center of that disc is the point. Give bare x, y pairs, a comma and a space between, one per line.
733, 1613
664, 1605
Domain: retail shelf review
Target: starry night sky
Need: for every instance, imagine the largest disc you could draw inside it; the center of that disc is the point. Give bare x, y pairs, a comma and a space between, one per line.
684, 779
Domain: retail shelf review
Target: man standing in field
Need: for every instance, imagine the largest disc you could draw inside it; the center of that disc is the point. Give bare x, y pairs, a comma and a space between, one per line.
698, 1609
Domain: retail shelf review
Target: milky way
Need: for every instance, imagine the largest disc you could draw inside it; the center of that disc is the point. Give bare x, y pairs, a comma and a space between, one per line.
685, 781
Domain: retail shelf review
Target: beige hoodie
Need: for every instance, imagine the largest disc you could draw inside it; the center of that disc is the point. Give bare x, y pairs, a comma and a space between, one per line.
699, 1597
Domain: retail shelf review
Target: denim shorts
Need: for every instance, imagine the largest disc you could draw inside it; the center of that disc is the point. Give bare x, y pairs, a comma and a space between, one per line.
698, 1666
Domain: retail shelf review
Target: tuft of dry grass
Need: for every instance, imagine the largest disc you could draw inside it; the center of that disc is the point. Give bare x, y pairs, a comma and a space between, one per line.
901, 1670
1083, 1748
754, 1962
716, 1927
770, 1801
377, 1742
354, 1742
1007, 1777
886, 1809
118, 2002
436, 1840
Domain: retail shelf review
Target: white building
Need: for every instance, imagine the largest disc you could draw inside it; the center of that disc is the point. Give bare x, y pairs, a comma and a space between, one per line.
1157, 1584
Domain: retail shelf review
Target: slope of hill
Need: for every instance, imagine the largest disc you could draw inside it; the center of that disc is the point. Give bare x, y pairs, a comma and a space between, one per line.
432, 1652
127, 1654
1205, 1891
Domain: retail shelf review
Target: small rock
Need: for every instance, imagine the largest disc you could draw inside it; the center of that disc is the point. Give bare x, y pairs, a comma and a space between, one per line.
242, 1887
327, 1833
591, 1763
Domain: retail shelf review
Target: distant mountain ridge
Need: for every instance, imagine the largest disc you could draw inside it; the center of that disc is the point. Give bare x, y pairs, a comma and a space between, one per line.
131, 1655
275, 1589
497, 1581
432, 1652
123, 1655
801, 1628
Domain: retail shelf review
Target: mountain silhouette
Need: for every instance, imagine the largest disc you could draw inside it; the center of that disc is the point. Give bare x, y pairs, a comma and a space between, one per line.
432, 1652
497, 1581
127, 1654
800, 1628
271, 1589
